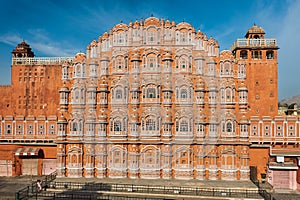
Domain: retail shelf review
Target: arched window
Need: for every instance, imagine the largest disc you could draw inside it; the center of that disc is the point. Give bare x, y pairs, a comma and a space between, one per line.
184, 157
118, 94
151, 62
151, 93
183, 63
150, 125
211, 67
243, 54
135, 35
75, 127
117, 156
78, 70
149, 154
270, 55
227, 70
184, 126
228, 93
241, 70
183, 38
151, 36
229, 127
256, 54
183, 93
119, 63
76, 95
117, 125
120, 38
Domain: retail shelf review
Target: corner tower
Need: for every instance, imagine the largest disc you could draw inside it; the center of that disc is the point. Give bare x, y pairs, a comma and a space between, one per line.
259, 55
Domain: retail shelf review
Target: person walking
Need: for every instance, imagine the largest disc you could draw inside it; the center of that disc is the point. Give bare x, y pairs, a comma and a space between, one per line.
39, 185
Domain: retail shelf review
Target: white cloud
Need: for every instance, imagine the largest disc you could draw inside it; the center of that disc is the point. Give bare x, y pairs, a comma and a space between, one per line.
289, 42
10, 39
51, 49
40, 42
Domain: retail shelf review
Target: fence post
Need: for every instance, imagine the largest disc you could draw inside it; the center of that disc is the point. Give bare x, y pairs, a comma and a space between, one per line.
17, 196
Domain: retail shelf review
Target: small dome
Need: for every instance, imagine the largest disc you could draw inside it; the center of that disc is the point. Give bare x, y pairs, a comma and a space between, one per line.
167, 86
135, 116
212, 85
136, 57
79, 57
255, 32
168, 23
62, 118
152, 21
134, 148
168, 118
255, 29
242, 87
64, 89
167, 56
102, 116
244, 120
90, 117
136, 24
105, 35
135, 86
200, 85
103, 85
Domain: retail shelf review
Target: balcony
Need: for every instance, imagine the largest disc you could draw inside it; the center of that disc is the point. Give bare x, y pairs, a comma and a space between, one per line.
241, 43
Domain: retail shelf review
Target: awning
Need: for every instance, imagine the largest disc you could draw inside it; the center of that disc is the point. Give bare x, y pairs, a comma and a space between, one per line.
27, 151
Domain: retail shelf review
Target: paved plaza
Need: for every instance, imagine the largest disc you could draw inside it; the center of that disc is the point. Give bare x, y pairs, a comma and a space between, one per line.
10, 185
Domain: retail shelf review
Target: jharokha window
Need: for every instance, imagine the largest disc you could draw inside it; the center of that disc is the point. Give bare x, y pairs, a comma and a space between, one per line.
118, 94
150, 125
117, 126
151, 93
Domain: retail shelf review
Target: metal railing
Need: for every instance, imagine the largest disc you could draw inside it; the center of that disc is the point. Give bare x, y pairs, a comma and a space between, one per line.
82, 190
90, 196
163, 190
31, 189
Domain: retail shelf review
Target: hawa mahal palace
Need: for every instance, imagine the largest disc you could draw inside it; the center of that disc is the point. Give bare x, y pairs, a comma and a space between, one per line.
152, 99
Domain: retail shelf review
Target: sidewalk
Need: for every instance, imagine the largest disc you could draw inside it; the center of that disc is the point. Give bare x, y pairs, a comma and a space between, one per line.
217, 184
10, 185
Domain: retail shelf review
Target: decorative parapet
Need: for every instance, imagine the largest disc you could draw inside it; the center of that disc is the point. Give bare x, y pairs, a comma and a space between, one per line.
241, 43
41, 60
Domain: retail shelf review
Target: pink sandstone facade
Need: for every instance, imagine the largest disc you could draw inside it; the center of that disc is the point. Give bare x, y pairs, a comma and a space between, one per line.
152, 99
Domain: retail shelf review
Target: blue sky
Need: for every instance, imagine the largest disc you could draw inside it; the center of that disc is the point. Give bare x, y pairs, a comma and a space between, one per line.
65, 27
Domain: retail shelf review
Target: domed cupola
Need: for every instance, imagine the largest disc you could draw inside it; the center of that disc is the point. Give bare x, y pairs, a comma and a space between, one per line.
255, 32
22, 50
